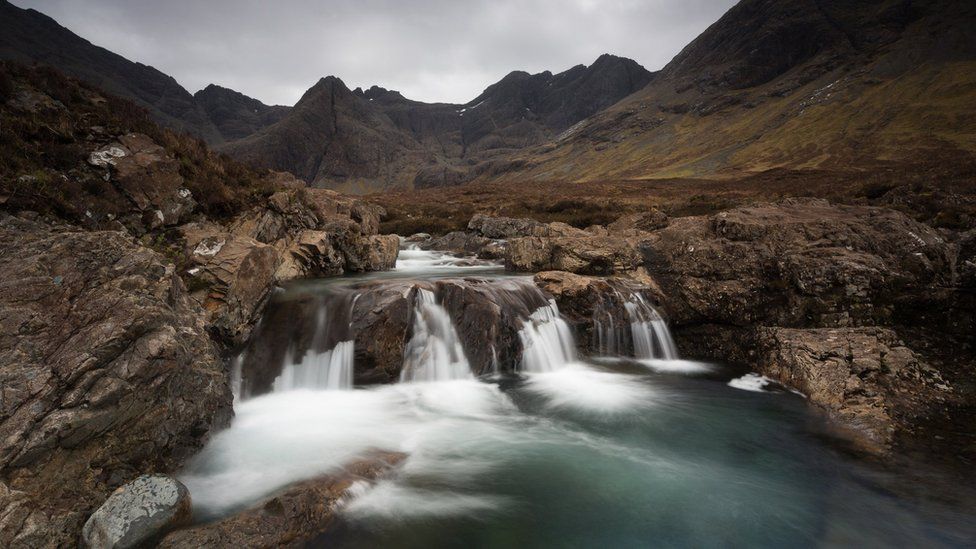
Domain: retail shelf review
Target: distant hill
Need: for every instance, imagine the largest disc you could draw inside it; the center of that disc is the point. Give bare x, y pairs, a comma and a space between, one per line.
374, 139
29, 36
796, 84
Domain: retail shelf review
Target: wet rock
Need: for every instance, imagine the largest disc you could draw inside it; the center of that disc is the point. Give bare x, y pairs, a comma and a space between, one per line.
866, 378
138, 512
488, 315
459, 242
294, 517
99, 347
233, 276
591, 304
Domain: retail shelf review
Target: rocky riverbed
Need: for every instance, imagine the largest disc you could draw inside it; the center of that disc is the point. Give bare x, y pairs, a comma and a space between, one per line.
107, 338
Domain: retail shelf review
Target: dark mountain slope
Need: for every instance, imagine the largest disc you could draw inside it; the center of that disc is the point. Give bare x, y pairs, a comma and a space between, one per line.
30, 36
798, 84
234, 114
375, 139
333, 136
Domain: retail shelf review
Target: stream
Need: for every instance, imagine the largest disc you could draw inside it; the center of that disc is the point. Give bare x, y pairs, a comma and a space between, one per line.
634, 447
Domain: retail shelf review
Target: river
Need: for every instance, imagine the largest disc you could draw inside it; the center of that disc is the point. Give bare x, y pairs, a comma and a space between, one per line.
568, 451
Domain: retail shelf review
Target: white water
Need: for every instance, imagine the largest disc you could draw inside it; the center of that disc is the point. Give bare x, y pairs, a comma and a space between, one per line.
649, 331
547, 341
434, 352
331, 369
415, 260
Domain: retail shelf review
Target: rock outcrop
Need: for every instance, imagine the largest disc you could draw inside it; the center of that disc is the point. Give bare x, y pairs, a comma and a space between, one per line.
582, 254
596, 308
299, 233
106, 371
805, 291
865, 377
149, 178
292, 518
797, 263
809, 293
138, 513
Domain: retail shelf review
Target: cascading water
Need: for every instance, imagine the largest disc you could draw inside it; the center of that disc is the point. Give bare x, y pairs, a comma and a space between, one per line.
331, 369
650, 333
547, 341
492, 460
434, 353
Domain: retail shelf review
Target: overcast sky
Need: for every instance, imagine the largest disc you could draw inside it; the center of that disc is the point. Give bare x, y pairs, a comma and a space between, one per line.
430, 50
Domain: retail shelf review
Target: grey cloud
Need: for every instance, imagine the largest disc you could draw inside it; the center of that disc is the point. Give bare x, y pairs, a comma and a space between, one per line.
430, 50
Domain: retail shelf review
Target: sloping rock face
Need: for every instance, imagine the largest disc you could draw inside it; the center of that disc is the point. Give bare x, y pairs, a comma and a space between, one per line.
867, 377
797, 263
292, 518
299, 233
106, 371
803, 290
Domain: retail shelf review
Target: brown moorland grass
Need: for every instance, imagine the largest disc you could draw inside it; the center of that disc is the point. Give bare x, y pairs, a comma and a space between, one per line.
937, 191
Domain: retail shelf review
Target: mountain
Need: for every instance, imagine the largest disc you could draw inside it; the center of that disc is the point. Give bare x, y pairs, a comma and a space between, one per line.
796, 84
234, 114
376, 138
29, 36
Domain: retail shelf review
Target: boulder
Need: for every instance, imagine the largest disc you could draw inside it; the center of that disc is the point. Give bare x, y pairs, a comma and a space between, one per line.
293, 518
650, 220
310, 254
287, 213
502, 227
100, 344
138, 512
866, 378
584, 254
232, 276
149, 178
458, 242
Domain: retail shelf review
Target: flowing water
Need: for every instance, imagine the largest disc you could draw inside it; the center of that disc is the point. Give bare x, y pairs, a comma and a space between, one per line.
637, 449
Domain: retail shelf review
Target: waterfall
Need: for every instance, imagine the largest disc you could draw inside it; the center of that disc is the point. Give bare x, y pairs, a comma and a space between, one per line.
434, 352
547, 341
236, 377
648, 330
329, 369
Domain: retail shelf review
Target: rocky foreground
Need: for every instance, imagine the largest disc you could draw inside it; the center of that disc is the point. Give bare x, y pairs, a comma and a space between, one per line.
115, 331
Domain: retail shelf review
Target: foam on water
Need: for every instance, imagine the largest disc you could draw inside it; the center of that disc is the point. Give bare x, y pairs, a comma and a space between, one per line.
415, 260
395, 501
751, 382
677, 366
576, 386
280, 438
